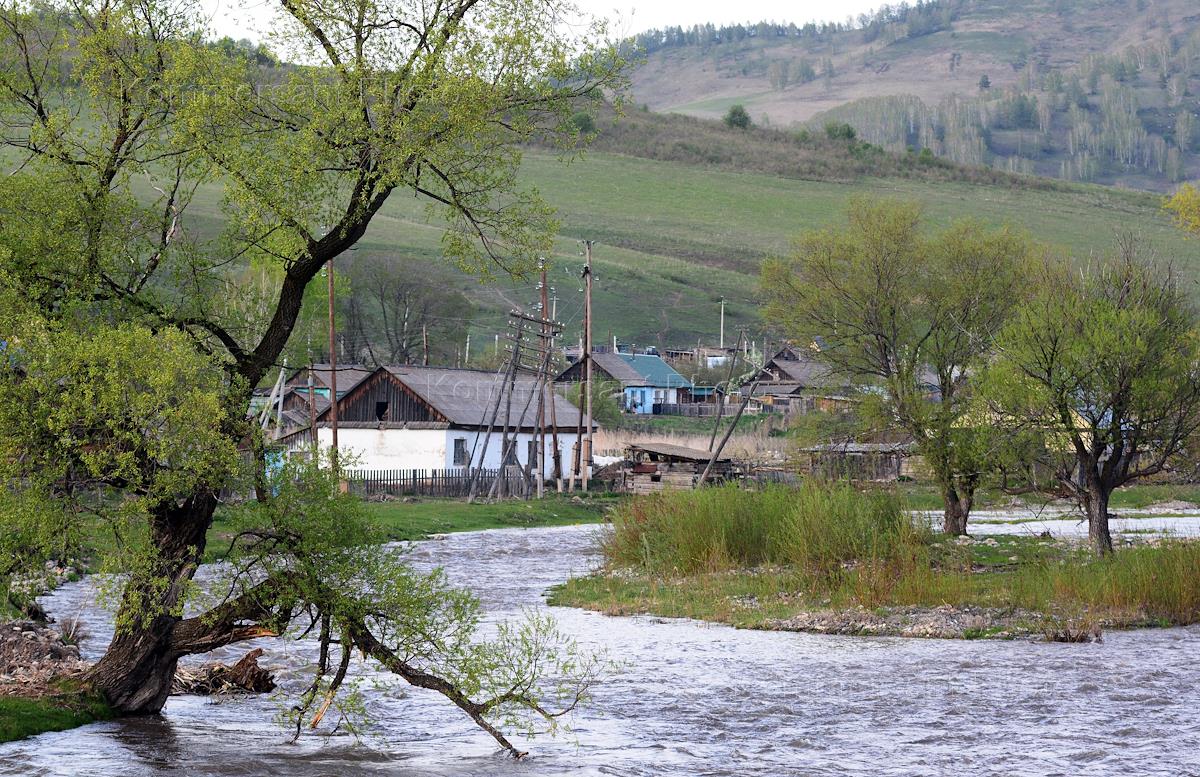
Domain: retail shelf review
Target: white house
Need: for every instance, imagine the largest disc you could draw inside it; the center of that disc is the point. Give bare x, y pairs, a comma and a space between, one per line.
436, 418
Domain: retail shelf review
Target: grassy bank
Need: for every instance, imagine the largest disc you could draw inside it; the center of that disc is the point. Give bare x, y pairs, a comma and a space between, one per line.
22, 717
759, 560
418, 519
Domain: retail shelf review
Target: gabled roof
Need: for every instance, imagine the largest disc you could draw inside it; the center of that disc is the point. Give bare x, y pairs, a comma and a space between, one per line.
467, 397
632, 370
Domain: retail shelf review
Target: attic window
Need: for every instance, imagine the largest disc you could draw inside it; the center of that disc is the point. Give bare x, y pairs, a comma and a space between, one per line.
381, 409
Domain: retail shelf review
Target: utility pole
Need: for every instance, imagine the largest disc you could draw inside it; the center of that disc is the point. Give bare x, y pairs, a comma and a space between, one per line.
587, 348
722, 341
556, 454
333, 408
467, 353
312, 407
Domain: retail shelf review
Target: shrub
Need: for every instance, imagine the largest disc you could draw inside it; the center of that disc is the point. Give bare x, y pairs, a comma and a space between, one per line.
737, 117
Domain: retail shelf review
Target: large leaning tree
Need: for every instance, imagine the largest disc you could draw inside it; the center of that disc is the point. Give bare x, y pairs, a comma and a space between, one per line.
912, 315
1101, 368
127, 367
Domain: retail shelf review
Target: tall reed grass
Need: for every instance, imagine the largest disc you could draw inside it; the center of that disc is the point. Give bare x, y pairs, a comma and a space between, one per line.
842, 547
815, 528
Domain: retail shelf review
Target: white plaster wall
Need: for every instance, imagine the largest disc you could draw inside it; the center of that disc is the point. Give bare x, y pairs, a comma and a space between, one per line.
389, 448
491, 460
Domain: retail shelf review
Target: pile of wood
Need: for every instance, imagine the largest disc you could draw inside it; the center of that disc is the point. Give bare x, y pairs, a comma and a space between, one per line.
246, 676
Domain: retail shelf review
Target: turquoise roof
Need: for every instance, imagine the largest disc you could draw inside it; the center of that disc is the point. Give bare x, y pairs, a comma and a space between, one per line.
656, 372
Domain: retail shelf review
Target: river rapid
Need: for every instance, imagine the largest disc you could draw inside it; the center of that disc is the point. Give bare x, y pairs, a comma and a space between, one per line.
690, 699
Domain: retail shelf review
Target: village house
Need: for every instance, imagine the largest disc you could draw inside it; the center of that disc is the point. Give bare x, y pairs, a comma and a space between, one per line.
645, 379
437, 418
793, 381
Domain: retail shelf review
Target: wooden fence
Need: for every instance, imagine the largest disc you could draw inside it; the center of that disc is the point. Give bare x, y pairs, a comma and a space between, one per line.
432, 482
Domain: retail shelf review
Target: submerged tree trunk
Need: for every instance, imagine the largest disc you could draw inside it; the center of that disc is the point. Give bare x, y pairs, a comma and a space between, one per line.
1095, 506
958, 509
136, 671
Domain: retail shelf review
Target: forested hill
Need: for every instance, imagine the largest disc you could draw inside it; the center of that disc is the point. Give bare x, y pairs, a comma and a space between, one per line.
1085, 90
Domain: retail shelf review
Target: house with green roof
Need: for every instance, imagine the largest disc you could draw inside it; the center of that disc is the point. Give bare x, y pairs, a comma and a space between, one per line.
645, 379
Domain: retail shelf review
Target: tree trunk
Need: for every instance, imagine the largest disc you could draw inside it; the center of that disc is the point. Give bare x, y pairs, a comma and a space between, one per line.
136, 671
1095, 504
958, 509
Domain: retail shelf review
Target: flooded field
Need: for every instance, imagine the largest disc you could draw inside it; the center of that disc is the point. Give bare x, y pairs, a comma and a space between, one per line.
698, 699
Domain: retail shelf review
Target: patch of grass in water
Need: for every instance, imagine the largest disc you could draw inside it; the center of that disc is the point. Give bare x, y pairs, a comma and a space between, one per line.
65, 708
748, 558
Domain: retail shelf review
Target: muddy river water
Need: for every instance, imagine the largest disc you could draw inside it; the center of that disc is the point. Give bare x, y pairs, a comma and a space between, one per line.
694, 699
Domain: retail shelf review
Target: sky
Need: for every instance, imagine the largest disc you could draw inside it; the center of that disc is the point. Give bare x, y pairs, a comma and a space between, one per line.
247, 18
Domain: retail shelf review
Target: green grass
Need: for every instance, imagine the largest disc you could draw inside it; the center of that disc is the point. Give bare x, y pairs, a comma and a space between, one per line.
676, 236
752, 558
22, 717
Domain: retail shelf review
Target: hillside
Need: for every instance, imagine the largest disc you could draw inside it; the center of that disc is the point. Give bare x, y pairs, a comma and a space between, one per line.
673, 238
1092, 90
686, 215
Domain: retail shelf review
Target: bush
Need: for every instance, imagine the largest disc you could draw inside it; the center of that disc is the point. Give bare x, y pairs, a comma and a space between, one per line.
836, 130
737, 117
584, 122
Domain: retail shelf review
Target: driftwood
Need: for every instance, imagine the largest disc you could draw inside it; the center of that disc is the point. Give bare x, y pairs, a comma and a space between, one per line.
246, 676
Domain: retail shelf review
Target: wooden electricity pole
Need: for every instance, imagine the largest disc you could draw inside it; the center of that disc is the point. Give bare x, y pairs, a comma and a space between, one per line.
587, 349
333, 407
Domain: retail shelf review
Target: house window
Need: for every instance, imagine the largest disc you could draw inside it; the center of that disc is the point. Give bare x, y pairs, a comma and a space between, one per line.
531, 455
460, 452
381, 409
510, 454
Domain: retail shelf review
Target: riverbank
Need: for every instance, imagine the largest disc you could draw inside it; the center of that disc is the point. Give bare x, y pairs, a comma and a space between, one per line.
37, 690
838, 562
411, 519
38, 686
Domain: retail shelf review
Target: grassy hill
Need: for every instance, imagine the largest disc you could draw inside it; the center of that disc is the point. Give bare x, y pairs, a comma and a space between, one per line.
673, 238
1104, 82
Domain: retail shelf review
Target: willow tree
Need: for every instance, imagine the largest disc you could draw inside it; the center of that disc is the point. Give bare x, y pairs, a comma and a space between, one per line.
116, 116
913, 316
1102, 366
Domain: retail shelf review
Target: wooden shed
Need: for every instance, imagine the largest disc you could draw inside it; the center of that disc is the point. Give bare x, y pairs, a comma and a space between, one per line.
651, 467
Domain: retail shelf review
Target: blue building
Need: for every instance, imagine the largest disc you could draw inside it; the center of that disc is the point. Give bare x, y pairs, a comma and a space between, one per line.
645, 379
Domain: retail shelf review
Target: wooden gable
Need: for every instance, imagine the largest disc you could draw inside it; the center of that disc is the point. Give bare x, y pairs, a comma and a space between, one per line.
383, 398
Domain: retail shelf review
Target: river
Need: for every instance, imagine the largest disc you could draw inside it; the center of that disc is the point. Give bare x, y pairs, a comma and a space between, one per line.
692, 699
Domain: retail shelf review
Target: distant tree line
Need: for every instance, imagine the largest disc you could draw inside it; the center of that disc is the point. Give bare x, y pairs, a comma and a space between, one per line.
917, 19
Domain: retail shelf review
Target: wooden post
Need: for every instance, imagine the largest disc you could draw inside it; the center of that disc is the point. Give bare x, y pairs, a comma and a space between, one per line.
586, 453
424, 346
721, 402
333, 407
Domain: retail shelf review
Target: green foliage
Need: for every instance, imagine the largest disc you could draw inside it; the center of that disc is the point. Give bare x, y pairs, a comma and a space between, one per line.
584, 122
1100, 366
607, 398
134, 334
1055, 584
912, 314
737, 117
840, 131
22, 717
725, 528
